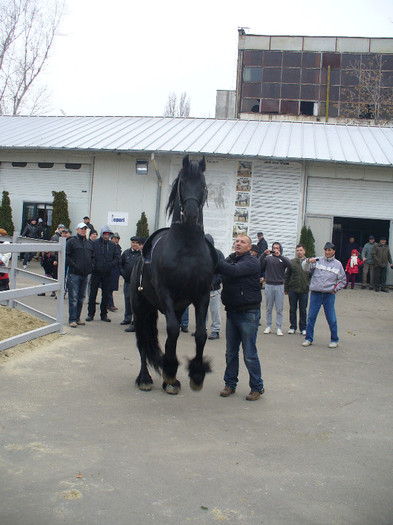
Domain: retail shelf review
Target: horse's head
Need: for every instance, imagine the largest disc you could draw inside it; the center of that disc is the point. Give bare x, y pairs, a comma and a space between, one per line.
189, 193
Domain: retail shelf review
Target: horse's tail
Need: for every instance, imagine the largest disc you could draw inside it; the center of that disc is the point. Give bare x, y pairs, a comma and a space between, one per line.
145, 319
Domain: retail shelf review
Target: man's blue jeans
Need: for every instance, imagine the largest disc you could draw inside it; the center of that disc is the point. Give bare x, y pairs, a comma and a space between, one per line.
76, 295
327, 300
242, 327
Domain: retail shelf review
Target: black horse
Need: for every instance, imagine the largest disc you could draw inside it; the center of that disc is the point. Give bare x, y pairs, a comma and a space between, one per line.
175, 271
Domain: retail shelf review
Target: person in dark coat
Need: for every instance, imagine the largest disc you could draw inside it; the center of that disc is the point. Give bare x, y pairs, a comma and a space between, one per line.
106, 257
79, 260
127, 262
262, 244
115, 274
30, 230
242, 297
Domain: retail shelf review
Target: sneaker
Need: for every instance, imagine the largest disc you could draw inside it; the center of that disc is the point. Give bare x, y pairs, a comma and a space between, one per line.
279, 331
333, 345
304, 332
253, 396
267, 330
306, 343
24, 266
214, 335
73, 325
291, 331
227, 391
80, 323
88, 319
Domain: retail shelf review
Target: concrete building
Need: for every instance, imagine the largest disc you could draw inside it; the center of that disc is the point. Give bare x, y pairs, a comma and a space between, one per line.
312, 78
269, 176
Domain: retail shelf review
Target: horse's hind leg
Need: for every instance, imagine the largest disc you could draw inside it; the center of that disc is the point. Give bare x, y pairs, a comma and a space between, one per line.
198, 367
170, 363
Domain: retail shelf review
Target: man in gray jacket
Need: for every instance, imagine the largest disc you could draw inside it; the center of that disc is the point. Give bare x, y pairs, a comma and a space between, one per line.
328, 277
369, 262
381, 256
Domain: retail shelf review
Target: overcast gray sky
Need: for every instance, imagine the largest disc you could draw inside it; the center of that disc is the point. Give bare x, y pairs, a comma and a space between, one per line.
123, 57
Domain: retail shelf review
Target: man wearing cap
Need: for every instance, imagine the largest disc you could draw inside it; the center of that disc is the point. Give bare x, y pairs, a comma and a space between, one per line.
369, 262
106, 257
327, 278
90, 227
262, 244
127, 262
79, 261
381, 256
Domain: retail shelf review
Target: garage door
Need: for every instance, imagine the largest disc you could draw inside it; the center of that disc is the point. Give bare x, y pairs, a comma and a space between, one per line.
349, 198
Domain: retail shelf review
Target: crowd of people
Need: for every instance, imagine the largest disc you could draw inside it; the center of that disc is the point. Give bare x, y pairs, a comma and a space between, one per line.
96, 262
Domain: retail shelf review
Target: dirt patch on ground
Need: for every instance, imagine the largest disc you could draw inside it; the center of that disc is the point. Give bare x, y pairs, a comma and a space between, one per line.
15, 322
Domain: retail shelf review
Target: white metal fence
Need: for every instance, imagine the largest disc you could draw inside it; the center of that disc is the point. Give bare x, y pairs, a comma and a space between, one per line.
11, 297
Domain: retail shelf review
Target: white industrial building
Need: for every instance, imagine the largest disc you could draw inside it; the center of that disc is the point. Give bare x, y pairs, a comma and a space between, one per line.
269, 176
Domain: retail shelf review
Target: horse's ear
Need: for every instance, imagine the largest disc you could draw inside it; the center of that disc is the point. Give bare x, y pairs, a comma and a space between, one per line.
186, 162
202, 164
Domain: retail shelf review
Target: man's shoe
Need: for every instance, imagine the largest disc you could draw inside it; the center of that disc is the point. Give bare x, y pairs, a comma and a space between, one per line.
267, 330
106, 319
80, 323
227, 391
279, 331
123, 323
253, 396
377, 289
291, 331
73, 325
131, 328
333, 345
40, 294
184, 329
88, 319
306, 343
304, 332
193, 334
112, 308
214, 335
24, 266
371, 287
385, 290
363, 286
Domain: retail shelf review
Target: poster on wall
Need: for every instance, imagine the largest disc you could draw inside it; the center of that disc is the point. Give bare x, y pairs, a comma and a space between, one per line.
117, 218
241, 216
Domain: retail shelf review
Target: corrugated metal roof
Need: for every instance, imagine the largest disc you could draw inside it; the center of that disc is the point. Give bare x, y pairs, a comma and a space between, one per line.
318, 141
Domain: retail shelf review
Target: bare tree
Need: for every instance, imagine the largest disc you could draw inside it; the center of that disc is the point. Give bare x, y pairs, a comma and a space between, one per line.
371, 95
175, 109
27, 32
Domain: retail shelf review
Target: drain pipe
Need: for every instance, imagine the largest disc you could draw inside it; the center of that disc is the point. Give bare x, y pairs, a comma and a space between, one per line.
158, 198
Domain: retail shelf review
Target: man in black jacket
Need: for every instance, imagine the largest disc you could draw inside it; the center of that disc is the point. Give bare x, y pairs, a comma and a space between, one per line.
241, 296
30, 230
106, 256
79, 260
127, 262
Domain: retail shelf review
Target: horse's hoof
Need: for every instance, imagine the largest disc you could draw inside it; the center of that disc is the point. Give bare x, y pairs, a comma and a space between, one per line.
145, 387
171, 389
194, 386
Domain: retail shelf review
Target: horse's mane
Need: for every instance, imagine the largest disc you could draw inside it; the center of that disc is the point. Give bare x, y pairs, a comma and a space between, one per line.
172, 197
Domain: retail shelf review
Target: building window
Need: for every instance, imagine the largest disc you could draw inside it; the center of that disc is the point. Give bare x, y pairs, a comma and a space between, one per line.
45, 164
252, 74
272, 58
306, 108
250, 105
270, 106
253, 58
71, 166
19, 164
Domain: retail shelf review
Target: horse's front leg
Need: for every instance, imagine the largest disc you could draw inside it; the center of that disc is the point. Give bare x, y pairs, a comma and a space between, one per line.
198, 367
170, 363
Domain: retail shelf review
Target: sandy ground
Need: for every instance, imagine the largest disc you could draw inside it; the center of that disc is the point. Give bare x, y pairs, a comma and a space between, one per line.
15, 322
